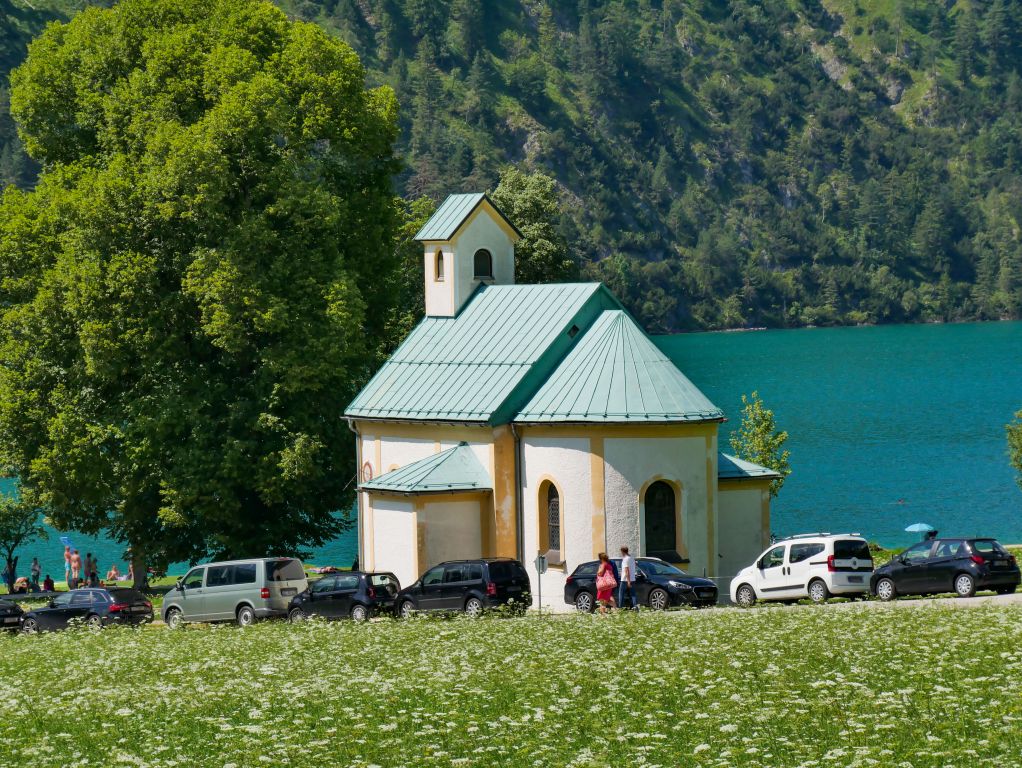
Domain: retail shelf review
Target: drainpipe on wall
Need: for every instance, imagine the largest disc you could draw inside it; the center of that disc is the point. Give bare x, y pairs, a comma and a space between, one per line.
518, 495
358, 493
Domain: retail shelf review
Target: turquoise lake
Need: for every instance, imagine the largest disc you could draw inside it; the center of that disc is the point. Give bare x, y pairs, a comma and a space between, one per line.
888, 425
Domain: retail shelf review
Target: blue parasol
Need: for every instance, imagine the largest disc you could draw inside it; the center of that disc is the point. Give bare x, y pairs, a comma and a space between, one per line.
920, 528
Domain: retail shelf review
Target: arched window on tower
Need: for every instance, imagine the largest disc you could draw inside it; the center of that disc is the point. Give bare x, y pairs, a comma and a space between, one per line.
550, 523
439, 266
483, 265
661, 506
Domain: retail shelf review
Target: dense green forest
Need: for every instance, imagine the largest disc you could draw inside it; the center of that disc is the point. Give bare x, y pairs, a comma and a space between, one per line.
720, 164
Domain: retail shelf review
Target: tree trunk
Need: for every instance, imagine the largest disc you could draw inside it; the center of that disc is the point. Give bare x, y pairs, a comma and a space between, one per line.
138, 568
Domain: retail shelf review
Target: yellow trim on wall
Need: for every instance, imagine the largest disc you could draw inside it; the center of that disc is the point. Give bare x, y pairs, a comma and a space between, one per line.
427, 431
505, 493
765, 504
598, 492
679, 517
711, 505
543, 519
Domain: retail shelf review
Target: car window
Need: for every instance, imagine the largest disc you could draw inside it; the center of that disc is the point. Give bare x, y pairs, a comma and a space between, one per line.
453, 573
988, 546
326, 584
774, 557
950, 548
244, 574
587, 569
128, 596
193, 579
349, 581
284, 570
656, 568
81, 598
472, 572
433, 576
63, 600
846, 549
918, 552
800, 552
218, 575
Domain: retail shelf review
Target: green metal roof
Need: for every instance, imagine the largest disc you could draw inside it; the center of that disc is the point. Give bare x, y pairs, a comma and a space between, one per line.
452, 213
456, 469
732, 467
485, 363
616, 374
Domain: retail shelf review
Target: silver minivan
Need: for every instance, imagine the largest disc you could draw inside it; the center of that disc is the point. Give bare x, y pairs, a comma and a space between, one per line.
237, 590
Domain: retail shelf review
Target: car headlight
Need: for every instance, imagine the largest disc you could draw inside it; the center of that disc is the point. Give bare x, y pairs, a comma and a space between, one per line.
679, 585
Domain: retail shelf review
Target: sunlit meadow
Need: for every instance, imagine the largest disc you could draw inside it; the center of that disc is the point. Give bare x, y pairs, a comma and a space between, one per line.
918, 686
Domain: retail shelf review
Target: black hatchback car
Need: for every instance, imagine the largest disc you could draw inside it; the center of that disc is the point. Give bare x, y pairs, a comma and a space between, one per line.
947, 565
471, 586
10, 615
94, 607
659, 585
356, 595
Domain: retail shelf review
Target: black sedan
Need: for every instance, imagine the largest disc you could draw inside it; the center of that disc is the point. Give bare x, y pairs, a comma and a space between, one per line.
10, 615
659, 585
947, 565
355, 595
94, 608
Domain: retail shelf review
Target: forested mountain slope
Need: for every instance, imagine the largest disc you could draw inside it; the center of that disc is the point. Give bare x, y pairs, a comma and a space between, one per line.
722, 164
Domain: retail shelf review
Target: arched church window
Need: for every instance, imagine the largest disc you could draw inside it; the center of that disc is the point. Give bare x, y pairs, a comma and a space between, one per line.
439, 266
550, 523
483, 264
661, 505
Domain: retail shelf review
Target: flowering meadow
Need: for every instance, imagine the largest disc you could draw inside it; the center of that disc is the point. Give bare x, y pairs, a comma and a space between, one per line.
919, 686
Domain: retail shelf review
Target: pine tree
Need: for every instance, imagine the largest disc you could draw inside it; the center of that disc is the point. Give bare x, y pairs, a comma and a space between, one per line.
966, 40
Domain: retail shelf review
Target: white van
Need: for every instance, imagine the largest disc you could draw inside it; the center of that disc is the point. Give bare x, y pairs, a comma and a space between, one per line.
237, 590
813, 565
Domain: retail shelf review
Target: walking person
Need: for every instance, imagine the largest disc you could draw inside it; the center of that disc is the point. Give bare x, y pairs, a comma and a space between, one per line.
76, 570
67, 566
605, 583
626, 590
36, 571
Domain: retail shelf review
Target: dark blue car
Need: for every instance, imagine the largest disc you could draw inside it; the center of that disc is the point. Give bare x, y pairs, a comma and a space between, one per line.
659, 585
947, 565
94, 608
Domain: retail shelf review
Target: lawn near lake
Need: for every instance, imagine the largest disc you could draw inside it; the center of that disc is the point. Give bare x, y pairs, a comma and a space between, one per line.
922, 686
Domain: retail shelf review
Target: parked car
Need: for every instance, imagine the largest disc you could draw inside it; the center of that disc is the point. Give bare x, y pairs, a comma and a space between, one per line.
93, 607
467, 585
948, 565
10, 615
238, 590
814, 565
357, 595
658, 585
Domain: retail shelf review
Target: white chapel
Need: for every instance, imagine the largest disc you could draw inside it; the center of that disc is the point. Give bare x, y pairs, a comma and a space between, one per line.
518, 420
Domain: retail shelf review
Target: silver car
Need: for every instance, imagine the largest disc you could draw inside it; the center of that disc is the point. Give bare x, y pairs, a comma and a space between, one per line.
239, 590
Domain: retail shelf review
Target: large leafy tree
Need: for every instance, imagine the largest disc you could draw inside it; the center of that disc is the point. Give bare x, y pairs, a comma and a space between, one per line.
758, 440
197, 285
1014, 430
20, 524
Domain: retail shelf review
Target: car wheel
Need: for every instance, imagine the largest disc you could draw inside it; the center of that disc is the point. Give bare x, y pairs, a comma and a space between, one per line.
173, 619
584, 602
359, 613
246, 616
659, 600
885, 590
1006, 590
965, 585
474, 607
297, 616
745, 596
407, 609
94, 622
30, 626
818, 591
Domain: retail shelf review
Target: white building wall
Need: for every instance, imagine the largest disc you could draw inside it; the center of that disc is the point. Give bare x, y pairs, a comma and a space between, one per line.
452, 531
438, 292
567, 462
394, 538
632, 463
740, 522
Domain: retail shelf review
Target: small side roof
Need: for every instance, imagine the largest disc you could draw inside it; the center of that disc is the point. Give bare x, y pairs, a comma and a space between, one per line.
453, 212
456, 469
731, 467
616, 374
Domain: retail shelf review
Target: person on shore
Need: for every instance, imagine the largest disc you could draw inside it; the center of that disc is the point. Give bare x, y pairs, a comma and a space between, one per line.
76, 569
48, 584
94, 574
113, 574
131, 572
87, 573
36, 570
67, 566
627, 589
605, 583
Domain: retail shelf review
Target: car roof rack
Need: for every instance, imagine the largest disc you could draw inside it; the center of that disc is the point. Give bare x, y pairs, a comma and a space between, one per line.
818, 534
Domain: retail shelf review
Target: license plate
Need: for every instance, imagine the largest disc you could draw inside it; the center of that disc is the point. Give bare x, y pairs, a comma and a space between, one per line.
11, 620
855, 579
1000, 563
514, 589
140, 610
289, 592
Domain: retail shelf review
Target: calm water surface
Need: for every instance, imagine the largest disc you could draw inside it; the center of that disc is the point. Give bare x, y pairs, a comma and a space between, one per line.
888, 426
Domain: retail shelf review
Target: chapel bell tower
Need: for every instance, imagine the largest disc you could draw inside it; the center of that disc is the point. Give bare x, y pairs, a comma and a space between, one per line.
468, 241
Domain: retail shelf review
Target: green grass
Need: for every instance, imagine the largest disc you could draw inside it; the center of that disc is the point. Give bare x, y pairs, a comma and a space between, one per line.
919, 686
